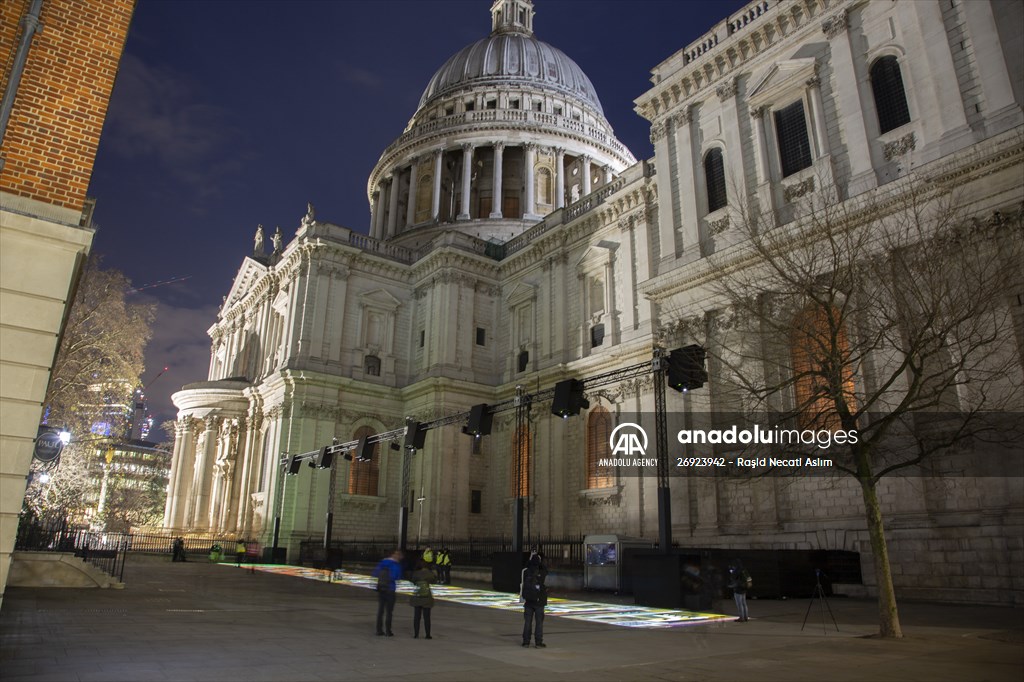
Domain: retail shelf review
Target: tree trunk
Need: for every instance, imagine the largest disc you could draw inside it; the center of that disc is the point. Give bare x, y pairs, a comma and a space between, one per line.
888, 616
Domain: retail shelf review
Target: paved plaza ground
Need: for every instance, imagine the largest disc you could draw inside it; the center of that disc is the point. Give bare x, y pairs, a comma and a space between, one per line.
198, 621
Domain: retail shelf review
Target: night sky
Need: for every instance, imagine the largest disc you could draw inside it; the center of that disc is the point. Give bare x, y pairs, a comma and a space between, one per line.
230, 113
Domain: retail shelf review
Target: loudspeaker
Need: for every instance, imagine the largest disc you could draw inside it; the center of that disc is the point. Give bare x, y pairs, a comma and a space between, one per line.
568, 399
415, 435
364, 451
479, 420
294, 463
324, 458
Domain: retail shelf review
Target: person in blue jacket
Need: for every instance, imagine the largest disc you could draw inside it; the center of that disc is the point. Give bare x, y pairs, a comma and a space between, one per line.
387, 573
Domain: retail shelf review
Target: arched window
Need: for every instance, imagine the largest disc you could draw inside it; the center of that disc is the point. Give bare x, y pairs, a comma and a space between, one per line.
521, 463
363, 477
890, 97
714, 176
822, 369
599, 429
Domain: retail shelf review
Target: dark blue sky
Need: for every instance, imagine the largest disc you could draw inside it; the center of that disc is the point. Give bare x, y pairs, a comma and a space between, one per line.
231, 113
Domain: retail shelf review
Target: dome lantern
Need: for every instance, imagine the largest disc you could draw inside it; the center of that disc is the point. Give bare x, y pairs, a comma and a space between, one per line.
512, 16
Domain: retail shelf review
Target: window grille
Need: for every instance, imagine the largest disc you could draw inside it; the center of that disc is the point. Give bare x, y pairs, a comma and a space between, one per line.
794, 145
890, 97
599, 429
714, 175
521, 462
363, 477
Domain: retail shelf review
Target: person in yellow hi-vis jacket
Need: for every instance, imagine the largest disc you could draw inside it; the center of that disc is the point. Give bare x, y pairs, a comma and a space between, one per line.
429, 559
444, 567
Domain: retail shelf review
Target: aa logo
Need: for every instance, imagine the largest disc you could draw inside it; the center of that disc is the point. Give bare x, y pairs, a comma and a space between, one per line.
631, 442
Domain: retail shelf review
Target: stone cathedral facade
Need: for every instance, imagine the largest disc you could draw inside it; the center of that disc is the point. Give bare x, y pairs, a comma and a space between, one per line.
515, 241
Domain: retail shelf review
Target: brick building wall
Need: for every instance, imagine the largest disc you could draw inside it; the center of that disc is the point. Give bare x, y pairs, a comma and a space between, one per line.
55, 125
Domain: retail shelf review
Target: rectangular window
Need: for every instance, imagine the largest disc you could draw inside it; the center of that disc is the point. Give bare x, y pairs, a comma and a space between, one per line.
794, 145
481, 336
475, 502
470, 105
538, 106
513, 104
423, 338
558, 110
596, 335
491, 104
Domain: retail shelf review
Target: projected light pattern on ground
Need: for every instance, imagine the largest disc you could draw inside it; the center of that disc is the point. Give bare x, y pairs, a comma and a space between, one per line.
624, 615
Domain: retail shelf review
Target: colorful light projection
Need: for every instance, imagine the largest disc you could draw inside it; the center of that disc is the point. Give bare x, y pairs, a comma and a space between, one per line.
623, 615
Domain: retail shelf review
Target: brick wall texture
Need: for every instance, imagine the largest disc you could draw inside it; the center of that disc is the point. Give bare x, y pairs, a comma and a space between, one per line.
50, 144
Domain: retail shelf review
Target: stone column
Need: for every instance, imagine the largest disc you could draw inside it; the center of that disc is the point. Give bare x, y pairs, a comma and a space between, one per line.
378, 213
990, 64
496, 198
467, 177
818, 113
764, 193
393, 203
945, 123
663, 178
435, 201
559, 178
182, 462
203, 474
585, 162
410, 209
686, 165
529, 156
849, 102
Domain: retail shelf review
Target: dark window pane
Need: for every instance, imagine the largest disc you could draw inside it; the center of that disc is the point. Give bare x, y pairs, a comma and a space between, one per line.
596, 335
890, 98
476, 502
524, 360
714, 175
794, 145
481, 336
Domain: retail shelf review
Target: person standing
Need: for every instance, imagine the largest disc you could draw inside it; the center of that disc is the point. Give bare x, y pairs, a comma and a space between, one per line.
387, 573
740, 581
444, 566
429, 559
422, 600
178, 549
240, 550
534, 594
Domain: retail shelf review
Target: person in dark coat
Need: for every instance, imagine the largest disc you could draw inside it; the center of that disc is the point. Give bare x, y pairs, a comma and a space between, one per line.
387, 573
534, 594
422, 600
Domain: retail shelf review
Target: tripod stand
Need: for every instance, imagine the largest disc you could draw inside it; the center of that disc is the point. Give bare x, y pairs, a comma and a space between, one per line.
819, 594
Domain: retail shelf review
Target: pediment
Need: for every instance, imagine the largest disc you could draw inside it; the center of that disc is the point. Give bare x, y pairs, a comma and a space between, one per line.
596, 254
521, 292
250, 273
780, 77
379, 298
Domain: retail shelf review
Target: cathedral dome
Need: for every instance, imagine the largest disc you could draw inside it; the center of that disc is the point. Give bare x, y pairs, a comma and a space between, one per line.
508, 131
511, 56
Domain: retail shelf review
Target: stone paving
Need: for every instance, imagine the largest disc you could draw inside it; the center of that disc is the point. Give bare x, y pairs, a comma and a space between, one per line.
197, 621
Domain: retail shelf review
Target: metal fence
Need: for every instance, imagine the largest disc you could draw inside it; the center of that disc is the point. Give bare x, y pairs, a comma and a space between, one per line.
105, 551
563, 553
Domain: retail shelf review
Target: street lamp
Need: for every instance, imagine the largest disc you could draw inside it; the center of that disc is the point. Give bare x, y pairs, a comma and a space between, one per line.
419, 529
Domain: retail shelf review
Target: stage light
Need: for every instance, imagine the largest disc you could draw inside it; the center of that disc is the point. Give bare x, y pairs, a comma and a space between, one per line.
364, 451
293, 465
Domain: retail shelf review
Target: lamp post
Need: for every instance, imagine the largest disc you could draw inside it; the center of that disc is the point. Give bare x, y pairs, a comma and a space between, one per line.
419, 526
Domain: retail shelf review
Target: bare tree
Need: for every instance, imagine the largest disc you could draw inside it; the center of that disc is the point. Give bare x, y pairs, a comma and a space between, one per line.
98, 366
888, 315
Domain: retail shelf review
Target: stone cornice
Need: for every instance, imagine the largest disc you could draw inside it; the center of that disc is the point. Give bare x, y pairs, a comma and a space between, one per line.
735, 54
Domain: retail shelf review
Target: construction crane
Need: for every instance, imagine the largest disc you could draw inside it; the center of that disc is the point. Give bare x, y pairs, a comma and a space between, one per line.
161, 283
